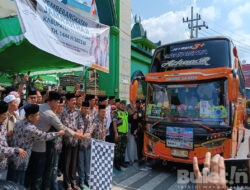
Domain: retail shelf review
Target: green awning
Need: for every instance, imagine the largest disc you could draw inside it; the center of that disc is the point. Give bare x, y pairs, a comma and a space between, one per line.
10, 32
18, 55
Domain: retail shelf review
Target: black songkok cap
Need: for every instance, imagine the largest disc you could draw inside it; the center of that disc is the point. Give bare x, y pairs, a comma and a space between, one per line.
3, 107
69, 96
85, 104
101, 107
111, 97
89, 97
54, 95
32, 93
102, 98
31, 109
117, 100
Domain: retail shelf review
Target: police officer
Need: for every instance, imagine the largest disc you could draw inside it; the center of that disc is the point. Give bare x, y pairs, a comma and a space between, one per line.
120, 124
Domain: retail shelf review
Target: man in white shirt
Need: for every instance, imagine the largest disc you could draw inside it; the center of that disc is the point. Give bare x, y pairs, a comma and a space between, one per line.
32, 99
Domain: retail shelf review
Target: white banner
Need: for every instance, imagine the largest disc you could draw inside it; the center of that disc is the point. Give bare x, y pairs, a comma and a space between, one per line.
52, 27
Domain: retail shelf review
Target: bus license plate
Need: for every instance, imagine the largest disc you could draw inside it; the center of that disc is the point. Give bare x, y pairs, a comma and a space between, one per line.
179, 153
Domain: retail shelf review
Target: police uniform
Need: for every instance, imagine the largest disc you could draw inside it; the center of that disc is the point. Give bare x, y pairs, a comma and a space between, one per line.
121, 118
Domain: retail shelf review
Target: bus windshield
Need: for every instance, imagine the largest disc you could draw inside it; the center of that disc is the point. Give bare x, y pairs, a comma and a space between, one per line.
199, 54
193, 102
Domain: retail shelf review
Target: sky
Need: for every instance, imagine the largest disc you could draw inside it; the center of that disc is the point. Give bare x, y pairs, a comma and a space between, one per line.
162, 19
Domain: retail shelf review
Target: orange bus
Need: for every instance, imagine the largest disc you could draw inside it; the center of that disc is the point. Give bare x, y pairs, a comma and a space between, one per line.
195, 101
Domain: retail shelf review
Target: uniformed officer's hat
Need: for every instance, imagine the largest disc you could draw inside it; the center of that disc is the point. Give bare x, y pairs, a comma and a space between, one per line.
123, 102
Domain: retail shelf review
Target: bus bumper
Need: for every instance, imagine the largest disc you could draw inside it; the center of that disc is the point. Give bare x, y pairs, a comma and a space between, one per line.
156, 148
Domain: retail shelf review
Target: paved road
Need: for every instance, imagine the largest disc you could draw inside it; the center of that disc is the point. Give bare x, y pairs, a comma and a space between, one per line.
152, 177
155, 176
159, 177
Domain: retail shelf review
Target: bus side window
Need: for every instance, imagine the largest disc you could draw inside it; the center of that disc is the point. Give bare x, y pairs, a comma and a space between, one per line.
242, 83
156, 66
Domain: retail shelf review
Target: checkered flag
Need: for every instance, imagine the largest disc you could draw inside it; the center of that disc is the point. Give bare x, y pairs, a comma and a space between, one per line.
101, 165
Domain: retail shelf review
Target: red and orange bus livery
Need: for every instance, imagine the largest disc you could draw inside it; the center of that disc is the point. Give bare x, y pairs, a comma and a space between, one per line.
195, 101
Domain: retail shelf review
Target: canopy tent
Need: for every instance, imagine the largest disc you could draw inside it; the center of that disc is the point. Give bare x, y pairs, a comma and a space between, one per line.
18, 55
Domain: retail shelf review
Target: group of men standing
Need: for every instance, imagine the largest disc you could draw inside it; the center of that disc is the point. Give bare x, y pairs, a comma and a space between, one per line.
55, 133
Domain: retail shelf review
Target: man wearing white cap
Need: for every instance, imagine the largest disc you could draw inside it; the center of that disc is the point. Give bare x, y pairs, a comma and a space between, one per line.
12, 117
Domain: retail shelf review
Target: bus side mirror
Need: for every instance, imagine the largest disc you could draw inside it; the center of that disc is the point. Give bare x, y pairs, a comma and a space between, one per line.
233, 88
235, 52
133, 90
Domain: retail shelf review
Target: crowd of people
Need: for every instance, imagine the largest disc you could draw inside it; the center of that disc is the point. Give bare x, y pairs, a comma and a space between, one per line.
50, 132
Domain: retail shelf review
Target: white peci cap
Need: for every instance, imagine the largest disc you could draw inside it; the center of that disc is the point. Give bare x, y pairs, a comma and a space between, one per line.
9, 98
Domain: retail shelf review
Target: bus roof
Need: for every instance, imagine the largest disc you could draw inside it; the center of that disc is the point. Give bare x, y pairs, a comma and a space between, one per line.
174, 55
194, 40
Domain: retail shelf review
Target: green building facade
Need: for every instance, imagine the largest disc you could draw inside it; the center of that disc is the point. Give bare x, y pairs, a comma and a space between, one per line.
141, 49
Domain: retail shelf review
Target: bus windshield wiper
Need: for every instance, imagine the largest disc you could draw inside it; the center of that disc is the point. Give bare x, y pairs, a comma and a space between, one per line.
195, 122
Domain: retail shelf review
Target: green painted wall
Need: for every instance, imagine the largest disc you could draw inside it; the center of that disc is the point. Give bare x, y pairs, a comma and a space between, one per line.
136, 65
140, 61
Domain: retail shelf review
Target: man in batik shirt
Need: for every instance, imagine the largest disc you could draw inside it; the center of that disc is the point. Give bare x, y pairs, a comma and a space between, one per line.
92, 111
84, 149
103, 100
5, 150
72, 119
98, 127
24, 135
48, 118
